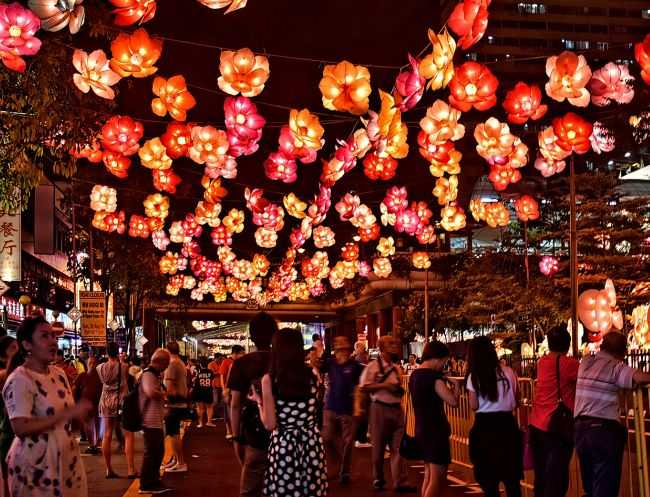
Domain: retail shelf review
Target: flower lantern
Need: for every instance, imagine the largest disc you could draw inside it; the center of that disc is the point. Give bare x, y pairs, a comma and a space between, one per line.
549, 167
426, 234
56, 15
209, 145
173, 97
109, 221
494, 141
445, 160
281, 167
116, 164
225, 167
160, 239
477, 208
642, 56
323, 237
350, 252
306, 133
407, 221
446, 190
261, 264
386, 246
243, 72
568, 75
156, 205
369, 234
121, 134
438, 66
18, 27
168, 264
103, 198
611, 82
378, 168
347, 205
266, 238
421, 260
244, 125
191, 228
91, 151
469, 20
502, 176
381, 267
177, 139
572, 133
165, 180
409, 86
496, 215
94, 73
243, 270
549, 265
128, 12
234, 221
153, 155
346, 88
362, 217
294, 206
177, 233
138, 226
524, 102
135, 54
452, 218
473, 85
387, 131
527, 208
441, 124
207, 213
601, 139
597, 311
396, 199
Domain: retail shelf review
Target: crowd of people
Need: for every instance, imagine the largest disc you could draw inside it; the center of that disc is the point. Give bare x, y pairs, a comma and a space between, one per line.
294, 417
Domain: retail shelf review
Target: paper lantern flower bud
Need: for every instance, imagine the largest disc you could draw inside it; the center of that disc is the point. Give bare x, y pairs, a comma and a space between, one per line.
421, 260
527, 208
103, 198
613, 82
55, 15
138, 226
378, 168
116, 164
153, 155
473, 85
156, 205
165, 180
173, 97
266, 238
452, 218
441, 124
469, 20
18, 27
160, 239
323, 237
234, 221
243, 72
409, 86
572, 133
642, 56
369, 234
121, 135
129, 12
177, 139
438, 66
524, 102
549, 265
350, 252
601, 139
94, 73
135, 54
244, 125
209, 145
281, 167
568, 75
381, 267
346, 88
426, 234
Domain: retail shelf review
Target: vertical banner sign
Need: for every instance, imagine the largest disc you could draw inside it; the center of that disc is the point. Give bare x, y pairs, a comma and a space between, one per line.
10, 247
44, 220
93, 318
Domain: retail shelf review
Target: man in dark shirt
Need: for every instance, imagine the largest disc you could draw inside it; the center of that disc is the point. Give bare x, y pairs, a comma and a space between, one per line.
339, 426
249, 437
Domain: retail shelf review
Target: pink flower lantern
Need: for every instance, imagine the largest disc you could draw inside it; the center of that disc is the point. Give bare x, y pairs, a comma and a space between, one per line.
282, 167
18, 27
601, 139
409, 86
396, 199
407, 222
426, 234
549, 167
549, 265
347, 205
244, 125
611, 82
160, 239
323, 237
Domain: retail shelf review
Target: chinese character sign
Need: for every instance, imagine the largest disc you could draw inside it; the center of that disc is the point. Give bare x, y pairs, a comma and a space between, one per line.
93, 317
10, 247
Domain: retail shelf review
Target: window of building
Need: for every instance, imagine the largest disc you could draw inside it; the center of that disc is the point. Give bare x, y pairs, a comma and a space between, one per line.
471, 56
582, 45
581, 28
531, 8
570, 44
645, 13
602, 45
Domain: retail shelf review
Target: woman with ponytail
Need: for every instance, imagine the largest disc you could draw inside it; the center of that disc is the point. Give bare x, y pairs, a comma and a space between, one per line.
44, 458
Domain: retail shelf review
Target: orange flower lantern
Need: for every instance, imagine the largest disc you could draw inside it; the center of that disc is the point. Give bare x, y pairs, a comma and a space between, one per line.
165, 180
446, 190
369, 234
109, 222
56, 15
469, 20
381, 267
177, 139
452, 218
90, 151
94, 73
496, 215
156, 205
116, 164
524, 102
548, 146
234, 221
103, 198
209, 145
168, 263
527, 208
261, 264
208, 213
135, 54
502, 176
421, 260
350, 252
642, 56
473, 85
232, 5
346, 88
243, 72
155, 224
121, 134
426, 235
138, 226
494, 141
129, 12
153, 155
306, 131
294, 206
573, 133
323, 237
445, 162
214, 192
392, 132
173, 97
477, 208
379, 168
438, 66
568, 75
441, 124
598, 312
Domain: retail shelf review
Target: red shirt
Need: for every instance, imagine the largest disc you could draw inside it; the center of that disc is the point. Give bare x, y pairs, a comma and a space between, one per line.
545, 400
224, 370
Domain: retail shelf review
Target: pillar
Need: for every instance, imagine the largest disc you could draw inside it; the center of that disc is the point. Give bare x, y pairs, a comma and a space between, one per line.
371, 321
384, 323
360, 329
396, 315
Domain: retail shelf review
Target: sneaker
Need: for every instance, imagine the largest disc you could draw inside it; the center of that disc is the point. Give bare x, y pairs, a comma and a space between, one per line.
378, 484
177, 468
159, 489
212, 425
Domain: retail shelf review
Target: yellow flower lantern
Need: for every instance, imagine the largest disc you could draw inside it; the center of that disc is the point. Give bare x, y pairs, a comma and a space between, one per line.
103, 198
381, 267
207, 213
452, 218
156, 205
153, 155
438, 66
446, 190
421, 260
234, 221
386, 246
294, 206
306, 130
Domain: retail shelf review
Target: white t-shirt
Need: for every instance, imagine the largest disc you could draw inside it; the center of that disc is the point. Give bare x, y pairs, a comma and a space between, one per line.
507, 386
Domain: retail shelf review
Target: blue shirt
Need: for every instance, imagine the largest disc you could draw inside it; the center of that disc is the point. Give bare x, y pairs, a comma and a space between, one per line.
343, 379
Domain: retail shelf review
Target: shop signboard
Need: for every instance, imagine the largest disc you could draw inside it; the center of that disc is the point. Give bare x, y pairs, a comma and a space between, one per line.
10, 247
93, 318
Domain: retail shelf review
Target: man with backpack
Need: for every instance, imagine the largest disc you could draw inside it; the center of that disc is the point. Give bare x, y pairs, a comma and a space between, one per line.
250, 439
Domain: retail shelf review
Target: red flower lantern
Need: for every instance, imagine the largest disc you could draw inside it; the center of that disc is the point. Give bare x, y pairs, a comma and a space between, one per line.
177, 139
369, 234
573, 133
18, 26
473, 85
165, 180
524, 102
282, 167
121, 134
116, 164
426, 234
138, 227
378, 168
409, 86
129, 12
642, 56
502, 176
350, 252
527, 208
469, 20
244, 125
221, 236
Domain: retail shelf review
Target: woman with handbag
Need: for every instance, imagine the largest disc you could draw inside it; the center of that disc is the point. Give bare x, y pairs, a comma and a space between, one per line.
551, 420
429, 393
495, 442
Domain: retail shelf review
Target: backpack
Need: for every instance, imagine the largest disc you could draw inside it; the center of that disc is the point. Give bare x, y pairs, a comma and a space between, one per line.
131, 412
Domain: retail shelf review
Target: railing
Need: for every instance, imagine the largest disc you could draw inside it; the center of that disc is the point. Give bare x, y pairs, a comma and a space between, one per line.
635, 481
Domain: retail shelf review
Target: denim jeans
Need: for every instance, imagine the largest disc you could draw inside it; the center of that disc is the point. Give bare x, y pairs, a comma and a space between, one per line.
600, 445
552, 457
154, 450
338, 436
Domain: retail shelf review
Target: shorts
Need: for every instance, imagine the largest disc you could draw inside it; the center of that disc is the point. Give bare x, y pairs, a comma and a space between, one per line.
203, 395
173, 421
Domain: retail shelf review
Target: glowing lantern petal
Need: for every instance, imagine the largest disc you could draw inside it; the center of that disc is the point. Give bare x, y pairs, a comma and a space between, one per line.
527, 208
438, 66
473, 85
572, 133
346, 88
173, 97
94, 73
642, 56
103, 198
243, 72
524, 102
121, 135
128, 12
469, 20
135, 54
568, 75
613, 82
56, 15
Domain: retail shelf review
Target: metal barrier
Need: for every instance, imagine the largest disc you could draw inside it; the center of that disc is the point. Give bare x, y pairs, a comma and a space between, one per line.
635, 481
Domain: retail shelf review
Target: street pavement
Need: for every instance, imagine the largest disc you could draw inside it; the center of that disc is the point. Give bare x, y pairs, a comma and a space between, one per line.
214, 471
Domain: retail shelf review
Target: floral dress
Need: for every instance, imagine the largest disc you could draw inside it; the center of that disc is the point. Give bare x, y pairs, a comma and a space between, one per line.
47, 464
296, 455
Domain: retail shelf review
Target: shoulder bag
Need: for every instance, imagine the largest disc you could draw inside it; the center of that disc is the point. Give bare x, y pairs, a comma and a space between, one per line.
561, 423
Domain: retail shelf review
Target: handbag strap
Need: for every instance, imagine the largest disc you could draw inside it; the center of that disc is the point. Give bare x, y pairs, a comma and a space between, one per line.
557, 377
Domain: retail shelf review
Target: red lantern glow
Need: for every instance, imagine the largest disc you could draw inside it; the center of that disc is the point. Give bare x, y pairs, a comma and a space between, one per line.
378, 168
642, 56
573, 133
177, 139
524, 102
369, 234
121, 134
469, 20
165, 180
473, 85
527, 208
116, 164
